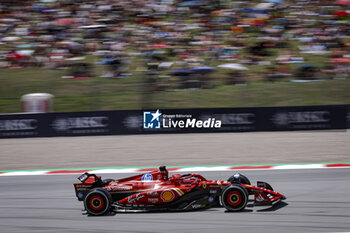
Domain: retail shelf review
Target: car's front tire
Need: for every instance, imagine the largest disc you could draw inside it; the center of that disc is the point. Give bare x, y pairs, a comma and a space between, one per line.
98, 202
234, 197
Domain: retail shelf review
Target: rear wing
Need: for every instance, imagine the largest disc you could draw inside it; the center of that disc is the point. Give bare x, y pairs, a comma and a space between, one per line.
86, 176
88, 182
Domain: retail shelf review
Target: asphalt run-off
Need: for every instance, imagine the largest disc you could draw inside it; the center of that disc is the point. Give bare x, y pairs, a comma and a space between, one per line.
175, 150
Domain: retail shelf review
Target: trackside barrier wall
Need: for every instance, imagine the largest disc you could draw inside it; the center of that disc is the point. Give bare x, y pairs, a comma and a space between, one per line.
131, 121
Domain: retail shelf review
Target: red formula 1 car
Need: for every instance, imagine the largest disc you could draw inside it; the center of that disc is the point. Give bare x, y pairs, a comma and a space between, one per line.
156, 191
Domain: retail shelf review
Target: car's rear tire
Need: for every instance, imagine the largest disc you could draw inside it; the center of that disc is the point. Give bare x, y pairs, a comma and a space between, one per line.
234, 197
98, 202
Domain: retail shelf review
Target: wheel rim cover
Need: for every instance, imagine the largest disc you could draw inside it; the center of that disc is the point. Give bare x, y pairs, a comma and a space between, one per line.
234, 198
96, 203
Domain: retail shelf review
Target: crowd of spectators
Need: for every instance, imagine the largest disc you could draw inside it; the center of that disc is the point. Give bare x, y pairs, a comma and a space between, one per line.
303, 39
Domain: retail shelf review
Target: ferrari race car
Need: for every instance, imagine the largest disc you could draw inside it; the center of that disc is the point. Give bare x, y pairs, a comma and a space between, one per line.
155, 191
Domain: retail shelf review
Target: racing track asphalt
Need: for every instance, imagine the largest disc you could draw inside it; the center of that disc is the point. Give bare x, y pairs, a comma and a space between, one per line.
318, 201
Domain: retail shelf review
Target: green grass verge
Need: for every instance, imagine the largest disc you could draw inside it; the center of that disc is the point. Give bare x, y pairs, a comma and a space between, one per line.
120, 94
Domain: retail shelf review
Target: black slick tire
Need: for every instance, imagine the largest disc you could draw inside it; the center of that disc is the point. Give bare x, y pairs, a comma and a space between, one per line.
234, 197
97, 202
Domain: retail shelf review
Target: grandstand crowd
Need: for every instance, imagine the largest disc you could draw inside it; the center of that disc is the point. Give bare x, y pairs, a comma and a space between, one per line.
303, 39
